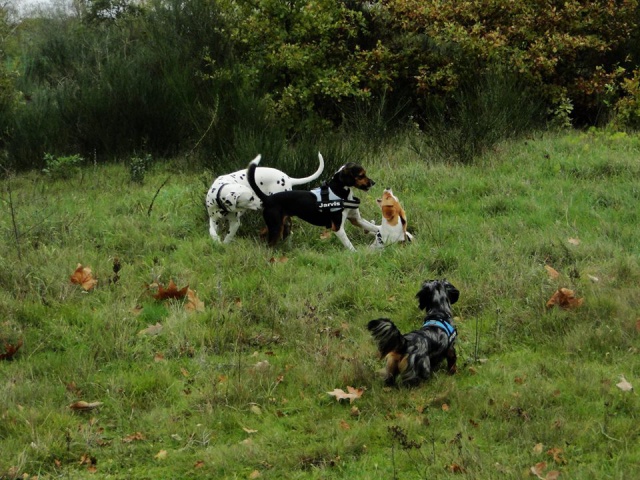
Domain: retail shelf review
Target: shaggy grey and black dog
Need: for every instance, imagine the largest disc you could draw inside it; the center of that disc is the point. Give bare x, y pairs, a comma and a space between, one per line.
413, 356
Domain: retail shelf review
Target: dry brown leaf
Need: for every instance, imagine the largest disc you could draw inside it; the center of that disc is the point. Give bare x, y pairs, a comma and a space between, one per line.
83, 277
10, 350
199, 464
82, 406
538, 469
151, 330
171, 292
326, 234
574, 241
351, 394
552, 272
134, 437
162, 454
344, 425
194, 304
556, 453
538, 448
565, 298
255, 474
624, 385
278, 260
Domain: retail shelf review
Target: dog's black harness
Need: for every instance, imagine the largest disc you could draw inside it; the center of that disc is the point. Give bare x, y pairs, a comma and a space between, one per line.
329, 201
443, 324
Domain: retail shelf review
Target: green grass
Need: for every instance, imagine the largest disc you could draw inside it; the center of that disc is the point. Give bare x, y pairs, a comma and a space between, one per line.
242, 386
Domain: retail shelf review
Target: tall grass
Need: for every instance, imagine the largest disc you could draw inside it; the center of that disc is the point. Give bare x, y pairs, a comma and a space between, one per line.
239, 389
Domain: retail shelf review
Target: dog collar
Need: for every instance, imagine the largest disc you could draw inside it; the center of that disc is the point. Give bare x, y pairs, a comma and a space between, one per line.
443, 324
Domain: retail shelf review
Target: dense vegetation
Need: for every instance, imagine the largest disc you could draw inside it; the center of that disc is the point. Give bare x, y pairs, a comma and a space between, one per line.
228, 78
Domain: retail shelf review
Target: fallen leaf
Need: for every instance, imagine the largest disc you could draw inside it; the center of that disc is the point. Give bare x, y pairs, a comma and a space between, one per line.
255, 474
556, 453
278, 260
574, 241
171, 292
255, 409
552, 475
162, 454
199, 464
10, 350
552, 272
344, 425
249, 430
83, 277
158, 357
326, 234
151, 330
565, 298
194, 304
624, 385
353, 394
82, 406
538, 448
262, 366
593, 278
134, 437
445, 407
455, 468
538, 469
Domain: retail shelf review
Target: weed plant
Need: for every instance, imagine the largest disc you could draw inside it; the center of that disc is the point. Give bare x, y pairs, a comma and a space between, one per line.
239, 389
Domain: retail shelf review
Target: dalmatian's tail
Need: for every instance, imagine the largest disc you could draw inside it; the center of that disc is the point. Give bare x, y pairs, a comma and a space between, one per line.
251, 176
312, 177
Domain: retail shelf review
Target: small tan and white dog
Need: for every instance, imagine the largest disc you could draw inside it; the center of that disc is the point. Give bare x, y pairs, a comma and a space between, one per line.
393, 228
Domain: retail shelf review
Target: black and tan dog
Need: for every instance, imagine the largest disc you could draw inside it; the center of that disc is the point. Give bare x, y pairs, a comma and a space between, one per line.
328, 206
413, 356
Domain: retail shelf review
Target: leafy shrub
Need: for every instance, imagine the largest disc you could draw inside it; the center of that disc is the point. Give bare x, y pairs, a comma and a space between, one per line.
138, 168
628, 107
62, 167
482, 112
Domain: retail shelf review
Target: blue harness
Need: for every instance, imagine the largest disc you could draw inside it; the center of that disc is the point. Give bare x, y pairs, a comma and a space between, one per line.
449, 329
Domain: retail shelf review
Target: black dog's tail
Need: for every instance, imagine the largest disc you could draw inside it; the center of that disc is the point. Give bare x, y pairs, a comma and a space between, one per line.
387, 336
251, 176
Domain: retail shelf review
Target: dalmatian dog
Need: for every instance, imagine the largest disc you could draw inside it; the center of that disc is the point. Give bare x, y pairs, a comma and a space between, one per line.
230, 196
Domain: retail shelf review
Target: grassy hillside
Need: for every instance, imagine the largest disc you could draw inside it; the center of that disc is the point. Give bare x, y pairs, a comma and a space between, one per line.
238, 388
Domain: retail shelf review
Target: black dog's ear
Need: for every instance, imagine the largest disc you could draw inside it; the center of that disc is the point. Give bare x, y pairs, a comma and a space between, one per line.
346, 176
452, 292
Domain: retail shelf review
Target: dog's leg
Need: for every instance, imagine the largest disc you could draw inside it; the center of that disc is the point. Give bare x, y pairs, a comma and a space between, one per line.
356, 219
213, 228
452, 358
234, 224
342, 235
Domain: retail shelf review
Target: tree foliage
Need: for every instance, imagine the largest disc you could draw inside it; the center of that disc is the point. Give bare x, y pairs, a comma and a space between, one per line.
169, 75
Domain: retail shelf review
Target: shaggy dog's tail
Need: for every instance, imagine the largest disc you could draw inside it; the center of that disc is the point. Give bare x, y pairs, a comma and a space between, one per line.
387, 336
251, 176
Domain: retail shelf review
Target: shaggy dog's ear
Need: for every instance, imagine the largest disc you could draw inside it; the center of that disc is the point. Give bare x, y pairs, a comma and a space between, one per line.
452, 292
425, 295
